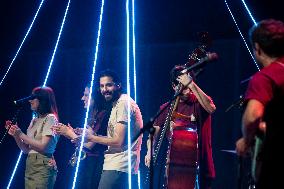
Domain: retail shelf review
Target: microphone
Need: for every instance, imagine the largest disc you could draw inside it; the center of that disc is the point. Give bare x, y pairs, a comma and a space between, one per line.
201, 62
24, 100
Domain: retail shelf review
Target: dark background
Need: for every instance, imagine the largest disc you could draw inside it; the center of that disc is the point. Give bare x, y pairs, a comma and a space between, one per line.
166, 33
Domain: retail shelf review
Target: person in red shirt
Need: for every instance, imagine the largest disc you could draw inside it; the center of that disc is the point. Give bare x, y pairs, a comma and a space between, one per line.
262, 121
193, 112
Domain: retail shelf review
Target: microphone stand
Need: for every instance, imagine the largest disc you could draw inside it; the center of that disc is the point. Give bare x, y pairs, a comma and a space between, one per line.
238, 103
14, 121
149, 127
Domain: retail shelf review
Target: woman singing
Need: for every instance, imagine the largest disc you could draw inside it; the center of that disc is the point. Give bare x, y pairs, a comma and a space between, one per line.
39, 142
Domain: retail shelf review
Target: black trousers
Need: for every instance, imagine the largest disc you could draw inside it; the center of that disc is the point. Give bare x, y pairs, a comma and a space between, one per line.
90, 172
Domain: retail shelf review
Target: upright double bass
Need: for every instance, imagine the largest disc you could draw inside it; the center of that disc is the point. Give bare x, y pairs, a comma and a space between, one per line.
175, 157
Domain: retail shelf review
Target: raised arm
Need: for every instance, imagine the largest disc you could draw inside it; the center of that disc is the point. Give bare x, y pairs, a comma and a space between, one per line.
205, 101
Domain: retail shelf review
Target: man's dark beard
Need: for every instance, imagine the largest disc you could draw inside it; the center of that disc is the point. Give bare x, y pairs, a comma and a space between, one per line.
115, 97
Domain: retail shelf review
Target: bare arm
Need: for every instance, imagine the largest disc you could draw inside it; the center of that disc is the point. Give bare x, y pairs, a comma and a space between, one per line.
65, 130
24, 147
205, 101
251, 119
26, 143
37, 145
15, 131
70, 133
115, 141
157, 129
89, 145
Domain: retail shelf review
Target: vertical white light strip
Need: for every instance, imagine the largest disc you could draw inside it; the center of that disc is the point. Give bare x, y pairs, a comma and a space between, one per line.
134, 67
46, 77
133, 49
253, 20
129, 93
20, 47
241, 35
91, 89
57, 41
14, 171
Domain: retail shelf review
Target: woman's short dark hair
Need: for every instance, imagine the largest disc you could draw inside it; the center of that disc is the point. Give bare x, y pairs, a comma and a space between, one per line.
47, 102
269, 34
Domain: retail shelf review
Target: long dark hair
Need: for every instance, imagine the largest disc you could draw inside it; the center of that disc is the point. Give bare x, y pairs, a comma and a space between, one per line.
97, 97
47, 103
99, 106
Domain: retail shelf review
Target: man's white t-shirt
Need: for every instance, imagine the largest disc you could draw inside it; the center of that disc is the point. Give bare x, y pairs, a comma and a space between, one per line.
117, 158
